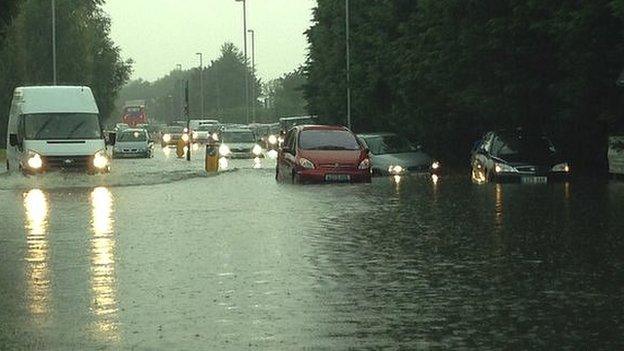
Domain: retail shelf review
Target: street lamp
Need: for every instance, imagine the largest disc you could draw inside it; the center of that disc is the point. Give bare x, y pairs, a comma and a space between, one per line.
179, 66
54, 78
348, 64
245, 51
253, 72
201, 82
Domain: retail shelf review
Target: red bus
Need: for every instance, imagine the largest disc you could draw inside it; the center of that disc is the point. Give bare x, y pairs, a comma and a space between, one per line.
134, 113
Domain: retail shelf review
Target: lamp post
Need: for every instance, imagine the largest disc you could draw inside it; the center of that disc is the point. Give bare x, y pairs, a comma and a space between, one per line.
179, 96
253, 74
245, 52
348, 64
54, 78
201, 82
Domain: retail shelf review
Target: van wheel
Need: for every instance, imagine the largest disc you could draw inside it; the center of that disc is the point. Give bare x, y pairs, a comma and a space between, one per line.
7, 166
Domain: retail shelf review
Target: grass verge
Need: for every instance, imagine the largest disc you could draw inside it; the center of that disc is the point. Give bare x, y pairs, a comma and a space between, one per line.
2, 155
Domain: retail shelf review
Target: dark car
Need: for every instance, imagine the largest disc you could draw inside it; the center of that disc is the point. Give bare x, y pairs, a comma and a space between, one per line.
517, 156
392, 154
317, 154
172, 134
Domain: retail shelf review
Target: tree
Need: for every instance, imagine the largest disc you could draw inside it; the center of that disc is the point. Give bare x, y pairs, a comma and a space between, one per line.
85, 53
443, 71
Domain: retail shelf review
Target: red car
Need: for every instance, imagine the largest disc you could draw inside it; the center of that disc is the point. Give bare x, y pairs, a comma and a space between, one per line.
318, 154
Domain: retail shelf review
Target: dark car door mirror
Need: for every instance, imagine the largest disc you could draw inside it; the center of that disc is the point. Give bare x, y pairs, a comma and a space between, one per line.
13, 140
112, 139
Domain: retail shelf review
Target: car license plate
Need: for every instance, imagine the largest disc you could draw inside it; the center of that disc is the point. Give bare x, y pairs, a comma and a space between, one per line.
534, 180
337, 177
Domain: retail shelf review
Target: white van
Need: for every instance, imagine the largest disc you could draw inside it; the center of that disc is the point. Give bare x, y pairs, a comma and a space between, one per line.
55, 127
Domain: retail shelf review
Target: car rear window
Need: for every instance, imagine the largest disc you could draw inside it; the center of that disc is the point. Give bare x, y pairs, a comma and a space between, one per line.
327, 140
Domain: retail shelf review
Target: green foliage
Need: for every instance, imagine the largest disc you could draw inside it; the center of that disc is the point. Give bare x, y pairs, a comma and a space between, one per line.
85, 53
443, 71
224, 94
285, 95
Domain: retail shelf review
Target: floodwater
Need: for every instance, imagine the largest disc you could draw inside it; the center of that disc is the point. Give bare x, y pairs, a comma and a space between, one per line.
158, 255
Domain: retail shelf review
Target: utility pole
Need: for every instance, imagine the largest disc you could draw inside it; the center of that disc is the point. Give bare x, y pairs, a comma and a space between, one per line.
348, 64
246, 65
54, 77
179, 96
201, 82
253, 74
188, 121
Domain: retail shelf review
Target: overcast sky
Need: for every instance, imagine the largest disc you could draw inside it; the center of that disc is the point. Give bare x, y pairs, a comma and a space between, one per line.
158, 34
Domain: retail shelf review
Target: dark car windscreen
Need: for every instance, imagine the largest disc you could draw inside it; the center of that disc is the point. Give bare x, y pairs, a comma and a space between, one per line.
207, 127
238, 137
522, 146
132, 136
45, 126
174, 130
388, 144
327, 140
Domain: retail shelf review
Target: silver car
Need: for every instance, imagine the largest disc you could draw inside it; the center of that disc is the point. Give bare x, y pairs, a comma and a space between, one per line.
392, 154
133, 143
239, 143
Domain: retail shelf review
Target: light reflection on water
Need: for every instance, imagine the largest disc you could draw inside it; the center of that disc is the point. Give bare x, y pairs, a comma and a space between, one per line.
37, 253
257, 163
103, 279
223, 163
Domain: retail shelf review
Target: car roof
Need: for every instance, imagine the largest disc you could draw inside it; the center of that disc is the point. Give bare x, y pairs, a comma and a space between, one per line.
320, 127
296, 118
238, 130
130, 130
376, 135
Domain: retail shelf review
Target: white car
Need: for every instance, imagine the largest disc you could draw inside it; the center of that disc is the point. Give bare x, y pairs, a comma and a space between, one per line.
55, 127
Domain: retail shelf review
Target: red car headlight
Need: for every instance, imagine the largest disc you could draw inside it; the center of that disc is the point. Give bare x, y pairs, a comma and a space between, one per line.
305, 163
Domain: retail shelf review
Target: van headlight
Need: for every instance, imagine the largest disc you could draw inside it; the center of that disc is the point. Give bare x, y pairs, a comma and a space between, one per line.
167, 138
215, 137
272, 139
257, 150
34, 160
561, 167
100, 160
185, 138
224, 150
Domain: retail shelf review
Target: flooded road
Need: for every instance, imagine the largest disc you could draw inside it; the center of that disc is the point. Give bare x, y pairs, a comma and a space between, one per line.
157, 255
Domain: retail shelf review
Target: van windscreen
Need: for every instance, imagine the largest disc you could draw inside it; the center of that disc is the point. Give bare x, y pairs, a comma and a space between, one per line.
46, 126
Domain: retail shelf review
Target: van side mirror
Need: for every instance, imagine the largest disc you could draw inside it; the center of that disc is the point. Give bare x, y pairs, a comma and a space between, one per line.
13, 140
112, 139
